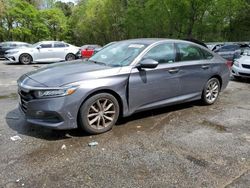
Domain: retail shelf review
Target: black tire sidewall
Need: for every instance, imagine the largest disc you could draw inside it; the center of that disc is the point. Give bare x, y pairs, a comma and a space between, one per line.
204, 99
83, 112
20, 59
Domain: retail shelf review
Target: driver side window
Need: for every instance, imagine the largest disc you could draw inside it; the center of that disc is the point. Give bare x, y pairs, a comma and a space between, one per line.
163, 53
46, 45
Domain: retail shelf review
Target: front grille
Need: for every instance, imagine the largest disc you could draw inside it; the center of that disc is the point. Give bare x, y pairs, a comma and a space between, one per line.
244, 74
246, 66
25, 97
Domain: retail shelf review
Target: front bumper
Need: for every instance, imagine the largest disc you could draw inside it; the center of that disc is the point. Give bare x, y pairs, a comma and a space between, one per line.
55, 113
240, 71
12, 57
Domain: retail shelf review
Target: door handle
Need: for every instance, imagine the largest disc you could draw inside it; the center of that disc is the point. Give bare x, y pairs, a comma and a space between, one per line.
172, 71
205, 67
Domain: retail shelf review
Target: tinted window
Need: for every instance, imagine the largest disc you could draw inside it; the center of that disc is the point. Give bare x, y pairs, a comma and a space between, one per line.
13, 45
189, 52
206, 54
229, 48
163, 53
59, 45
46, 45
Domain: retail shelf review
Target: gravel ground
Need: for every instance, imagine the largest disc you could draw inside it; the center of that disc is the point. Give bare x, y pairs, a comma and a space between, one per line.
186, 145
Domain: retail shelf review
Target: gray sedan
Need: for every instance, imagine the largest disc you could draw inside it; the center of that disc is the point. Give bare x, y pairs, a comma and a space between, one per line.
123, 78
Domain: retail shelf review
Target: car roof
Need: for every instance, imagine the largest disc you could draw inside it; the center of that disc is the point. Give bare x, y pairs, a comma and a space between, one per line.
149, 41
15, 42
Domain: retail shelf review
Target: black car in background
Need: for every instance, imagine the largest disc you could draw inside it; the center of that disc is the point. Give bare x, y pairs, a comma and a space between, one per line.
4, 46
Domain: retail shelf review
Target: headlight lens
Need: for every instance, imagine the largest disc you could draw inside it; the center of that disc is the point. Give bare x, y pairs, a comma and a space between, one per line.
55, 92
236, 63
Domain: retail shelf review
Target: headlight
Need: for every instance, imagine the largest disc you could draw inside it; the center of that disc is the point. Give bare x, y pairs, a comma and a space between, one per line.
55, 92
236, 63
11, 52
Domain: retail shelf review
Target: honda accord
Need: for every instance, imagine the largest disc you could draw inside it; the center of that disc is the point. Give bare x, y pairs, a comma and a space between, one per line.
124, 78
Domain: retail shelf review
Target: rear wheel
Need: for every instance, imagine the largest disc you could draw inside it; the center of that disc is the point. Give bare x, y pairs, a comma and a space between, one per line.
25, 59
99, 113
211, 91
70, 57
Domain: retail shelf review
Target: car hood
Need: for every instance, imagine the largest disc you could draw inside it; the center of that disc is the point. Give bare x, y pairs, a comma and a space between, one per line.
60, 74
244, 60
18, 49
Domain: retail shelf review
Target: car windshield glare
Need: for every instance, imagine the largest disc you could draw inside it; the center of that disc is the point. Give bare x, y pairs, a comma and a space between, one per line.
35, 45
119, 54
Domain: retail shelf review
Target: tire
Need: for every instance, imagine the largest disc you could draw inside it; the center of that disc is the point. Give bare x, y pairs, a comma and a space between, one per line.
211, 91
70, 57
99, 113
25, 59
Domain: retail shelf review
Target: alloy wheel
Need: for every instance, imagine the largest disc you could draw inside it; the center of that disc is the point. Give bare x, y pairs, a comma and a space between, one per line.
212, 91
26, 59
101, 113
70, 57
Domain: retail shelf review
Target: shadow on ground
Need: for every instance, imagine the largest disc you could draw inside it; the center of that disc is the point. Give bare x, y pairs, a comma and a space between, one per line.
16, 121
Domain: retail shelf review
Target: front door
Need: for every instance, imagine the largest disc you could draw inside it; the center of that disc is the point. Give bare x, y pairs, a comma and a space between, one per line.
154, 87
44, 53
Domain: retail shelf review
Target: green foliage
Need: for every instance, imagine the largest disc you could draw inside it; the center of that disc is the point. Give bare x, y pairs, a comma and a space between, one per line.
102, 21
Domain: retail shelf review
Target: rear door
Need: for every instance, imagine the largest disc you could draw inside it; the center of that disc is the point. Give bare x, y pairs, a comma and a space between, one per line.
195, 69
153, 87
60, 51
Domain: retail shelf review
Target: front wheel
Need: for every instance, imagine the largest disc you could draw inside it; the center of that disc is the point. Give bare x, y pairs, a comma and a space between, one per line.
99, 113
211, 91
25, 59
70, 57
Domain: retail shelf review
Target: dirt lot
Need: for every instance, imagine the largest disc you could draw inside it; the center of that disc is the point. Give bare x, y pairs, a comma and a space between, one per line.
186, 145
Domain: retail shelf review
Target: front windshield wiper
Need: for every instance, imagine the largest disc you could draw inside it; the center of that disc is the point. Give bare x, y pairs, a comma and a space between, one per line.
97, 62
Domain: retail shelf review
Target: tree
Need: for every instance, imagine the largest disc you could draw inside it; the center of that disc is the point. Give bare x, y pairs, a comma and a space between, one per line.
54, 19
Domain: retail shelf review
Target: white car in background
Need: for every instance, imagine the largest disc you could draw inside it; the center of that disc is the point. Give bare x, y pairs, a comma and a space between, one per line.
241, 66
45, 51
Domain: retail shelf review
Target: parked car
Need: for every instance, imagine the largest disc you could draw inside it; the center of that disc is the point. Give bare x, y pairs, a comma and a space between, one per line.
241, 66
214, 45
244, 47
229, 52
87, 51
124, 78
4, 46
45, 51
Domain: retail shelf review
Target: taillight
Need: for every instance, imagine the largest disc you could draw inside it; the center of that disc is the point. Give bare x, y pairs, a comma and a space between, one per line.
229, 63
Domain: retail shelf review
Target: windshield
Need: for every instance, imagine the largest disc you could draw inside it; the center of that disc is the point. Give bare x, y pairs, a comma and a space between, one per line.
118, 54
35, 45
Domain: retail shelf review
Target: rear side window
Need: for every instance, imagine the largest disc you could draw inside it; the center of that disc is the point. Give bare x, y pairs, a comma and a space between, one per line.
59, 45
206, 54
163, 53
46, 45
189, 52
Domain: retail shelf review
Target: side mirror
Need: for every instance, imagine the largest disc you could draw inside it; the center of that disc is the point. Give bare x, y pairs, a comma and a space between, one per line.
38, 47
147, 64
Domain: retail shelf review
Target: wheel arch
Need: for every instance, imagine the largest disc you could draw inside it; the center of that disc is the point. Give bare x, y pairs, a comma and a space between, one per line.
69, 53
32, 59
109, 91
219, 78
